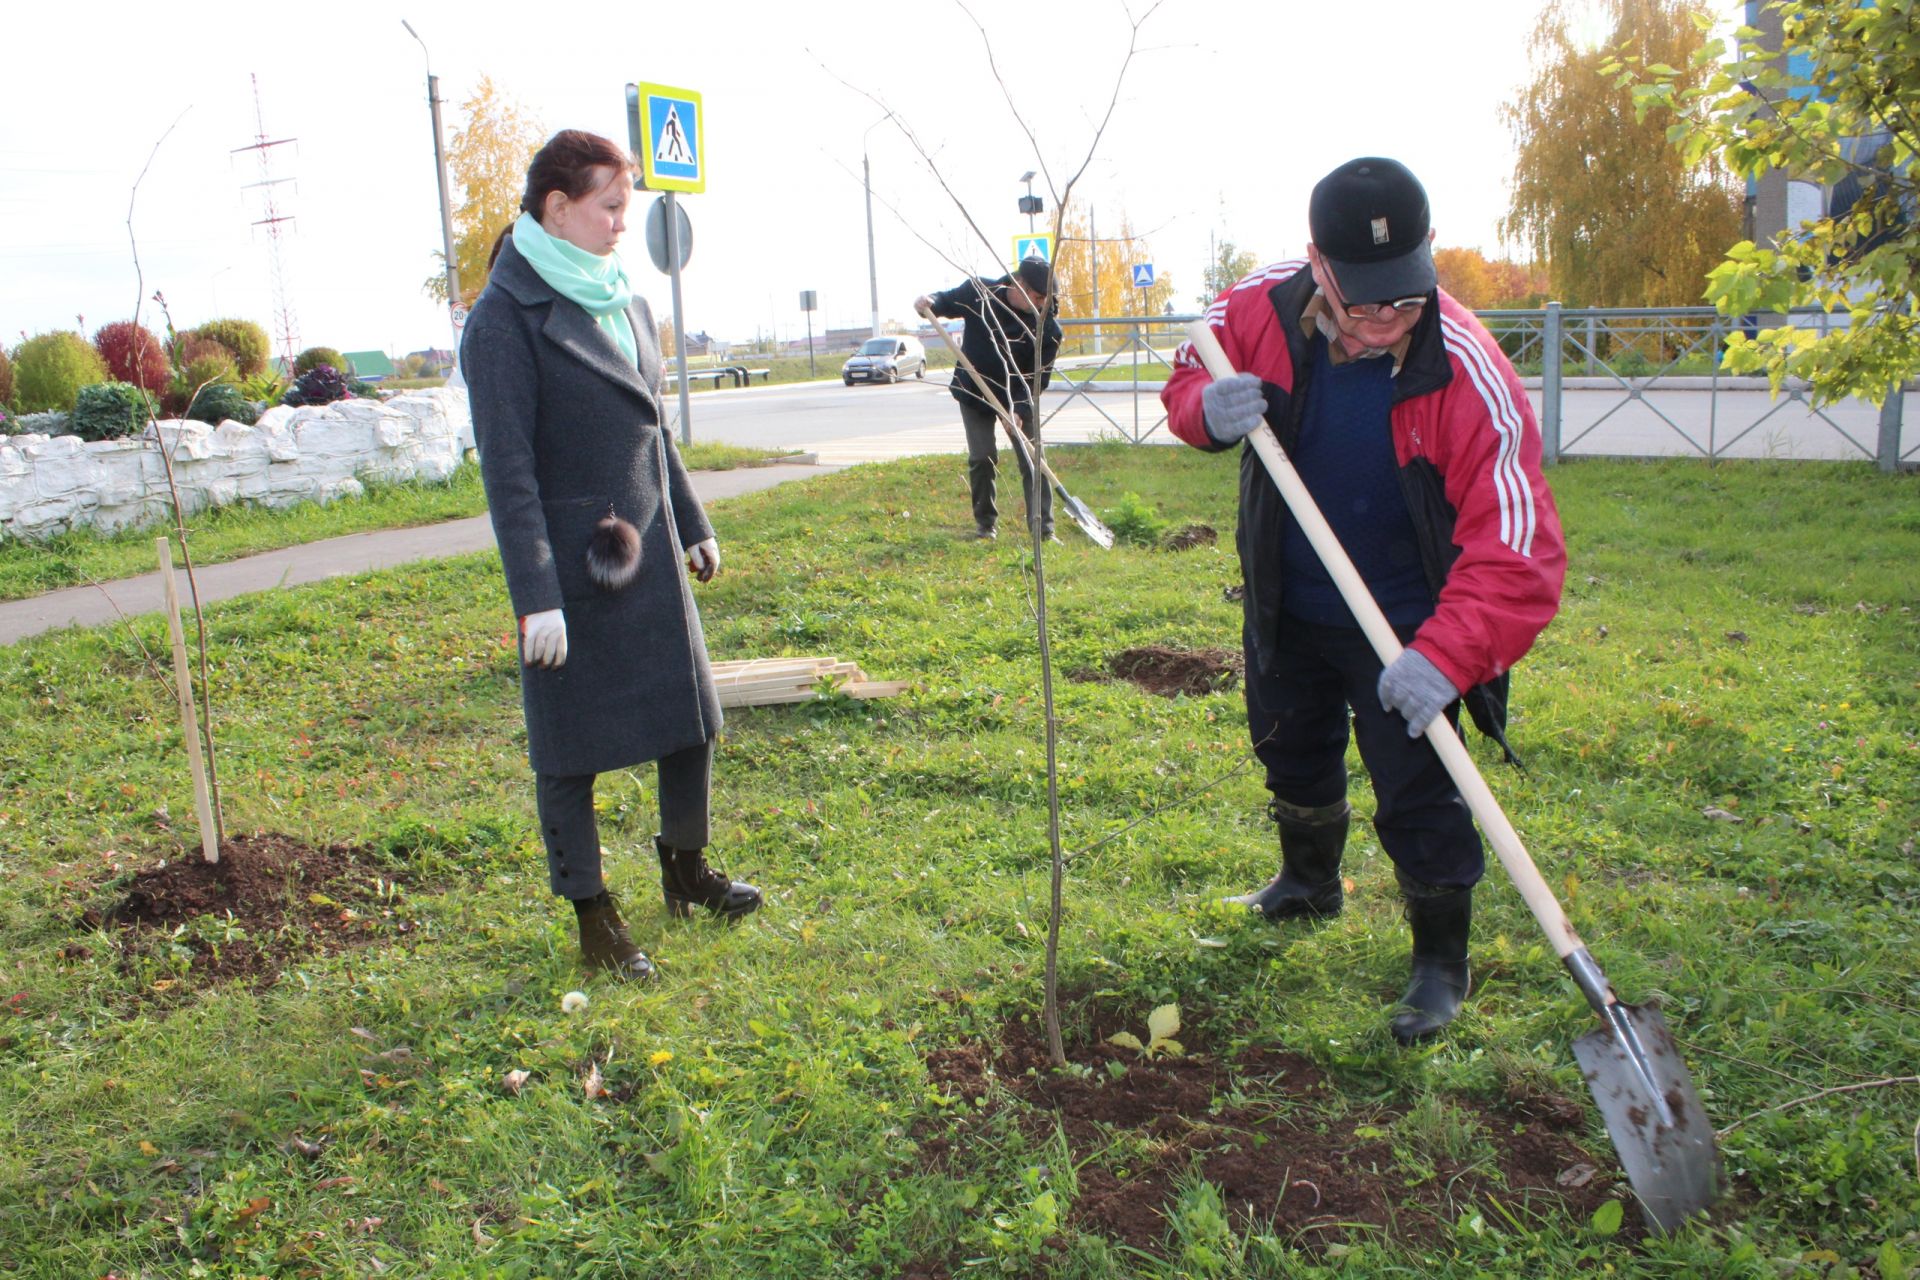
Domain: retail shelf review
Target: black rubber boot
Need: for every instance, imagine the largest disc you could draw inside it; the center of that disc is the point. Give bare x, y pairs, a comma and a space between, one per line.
604, 943
1311, 842
1440, 917
689, 882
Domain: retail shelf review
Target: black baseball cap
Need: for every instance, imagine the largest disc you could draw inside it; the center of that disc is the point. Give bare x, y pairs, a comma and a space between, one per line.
1035, 274
1369, 220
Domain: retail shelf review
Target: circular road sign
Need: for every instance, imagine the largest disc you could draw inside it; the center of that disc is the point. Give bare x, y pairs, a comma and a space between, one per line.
657, 233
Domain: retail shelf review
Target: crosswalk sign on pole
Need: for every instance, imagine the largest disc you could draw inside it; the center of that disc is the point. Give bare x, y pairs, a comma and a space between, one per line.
1143, 275
1032, 246
672, 148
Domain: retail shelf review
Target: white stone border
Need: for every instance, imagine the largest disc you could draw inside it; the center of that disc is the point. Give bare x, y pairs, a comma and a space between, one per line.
49, 484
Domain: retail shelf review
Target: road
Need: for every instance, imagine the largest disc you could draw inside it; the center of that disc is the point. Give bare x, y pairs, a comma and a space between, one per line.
875, 423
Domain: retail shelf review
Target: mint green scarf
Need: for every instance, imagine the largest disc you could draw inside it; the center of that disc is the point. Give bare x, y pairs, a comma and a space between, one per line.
598, 284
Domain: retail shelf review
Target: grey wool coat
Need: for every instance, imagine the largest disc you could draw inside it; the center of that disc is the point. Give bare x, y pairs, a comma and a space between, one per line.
568, 430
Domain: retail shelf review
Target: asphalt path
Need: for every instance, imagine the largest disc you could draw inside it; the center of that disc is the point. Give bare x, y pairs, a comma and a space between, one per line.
313, 561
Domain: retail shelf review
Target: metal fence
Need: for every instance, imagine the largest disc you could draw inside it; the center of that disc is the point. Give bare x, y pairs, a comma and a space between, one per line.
1610, 381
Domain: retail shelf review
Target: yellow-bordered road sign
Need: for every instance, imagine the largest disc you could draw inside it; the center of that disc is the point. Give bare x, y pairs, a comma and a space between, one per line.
1032, 246
673, 151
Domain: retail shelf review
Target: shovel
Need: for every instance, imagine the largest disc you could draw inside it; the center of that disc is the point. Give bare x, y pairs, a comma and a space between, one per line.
1077, 511
1631, 1064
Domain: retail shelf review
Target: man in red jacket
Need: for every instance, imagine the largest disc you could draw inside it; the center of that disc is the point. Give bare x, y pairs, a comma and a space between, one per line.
1410, 428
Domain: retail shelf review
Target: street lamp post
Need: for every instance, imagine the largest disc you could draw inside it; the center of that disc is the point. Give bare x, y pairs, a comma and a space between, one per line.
1029, 203
446, 209
873, 271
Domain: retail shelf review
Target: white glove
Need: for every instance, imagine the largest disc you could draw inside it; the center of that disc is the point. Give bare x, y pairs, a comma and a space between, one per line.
1234, 406
543, 639
704, 559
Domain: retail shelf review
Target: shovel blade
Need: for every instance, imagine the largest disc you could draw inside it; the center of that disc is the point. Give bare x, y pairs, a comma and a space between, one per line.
1089, 523
1659, 1129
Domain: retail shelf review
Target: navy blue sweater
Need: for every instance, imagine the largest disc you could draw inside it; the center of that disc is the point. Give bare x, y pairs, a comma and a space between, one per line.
1345, 455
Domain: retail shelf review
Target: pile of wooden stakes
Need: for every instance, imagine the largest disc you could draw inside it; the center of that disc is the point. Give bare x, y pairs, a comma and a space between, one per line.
765, 682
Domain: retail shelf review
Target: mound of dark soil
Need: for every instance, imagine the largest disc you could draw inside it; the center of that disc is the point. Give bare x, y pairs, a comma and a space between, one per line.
1167, 672
269, 899
1186, 537
1288, 1159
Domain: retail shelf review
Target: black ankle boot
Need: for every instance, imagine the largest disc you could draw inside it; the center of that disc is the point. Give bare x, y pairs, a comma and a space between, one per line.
1440, 917
604, 943
1311, 842
689, 882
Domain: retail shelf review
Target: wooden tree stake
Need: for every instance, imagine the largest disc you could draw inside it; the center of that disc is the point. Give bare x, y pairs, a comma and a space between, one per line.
189, 722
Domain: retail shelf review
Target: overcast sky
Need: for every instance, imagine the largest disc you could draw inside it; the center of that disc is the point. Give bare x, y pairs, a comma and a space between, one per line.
1229, 113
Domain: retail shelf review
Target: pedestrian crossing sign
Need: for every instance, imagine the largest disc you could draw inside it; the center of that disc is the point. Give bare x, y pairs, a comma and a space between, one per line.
1032, 246
672, 150
1143, 275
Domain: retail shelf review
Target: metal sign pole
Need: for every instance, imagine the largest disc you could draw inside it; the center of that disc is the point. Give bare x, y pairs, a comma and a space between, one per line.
679, 326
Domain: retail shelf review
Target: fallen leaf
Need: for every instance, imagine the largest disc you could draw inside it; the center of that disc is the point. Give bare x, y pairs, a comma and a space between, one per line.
593, 1085
253, 1208
1720, 815
330, 1184
298, 1145
148, 1149
480, 1237
514, 1080
1738, 637
363, 1033
1577, 1176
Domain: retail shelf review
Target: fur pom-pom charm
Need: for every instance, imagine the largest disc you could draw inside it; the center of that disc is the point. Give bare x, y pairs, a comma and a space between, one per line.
613, 553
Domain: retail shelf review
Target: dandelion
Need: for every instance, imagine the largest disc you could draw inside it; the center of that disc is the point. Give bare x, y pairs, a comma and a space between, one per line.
573, 1002
660, 1057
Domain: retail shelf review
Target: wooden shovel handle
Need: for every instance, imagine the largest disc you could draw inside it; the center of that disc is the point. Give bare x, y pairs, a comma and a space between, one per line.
1353, 589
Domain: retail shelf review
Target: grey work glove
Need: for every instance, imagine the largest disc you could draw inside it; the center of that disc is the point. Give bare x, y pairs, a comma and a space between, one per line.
1415, 688
543, 639
1234, 406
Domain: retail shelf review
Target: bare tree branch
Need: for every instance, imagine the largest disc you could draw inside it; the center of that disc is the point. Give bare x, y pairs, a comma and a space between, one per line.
173, 489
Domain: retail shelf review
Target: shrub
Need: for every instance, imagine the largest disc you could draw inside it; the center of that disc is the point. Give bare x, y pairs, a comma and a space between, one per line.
51, 423
219, 402
313, 357
6, 379
194, 346
50, 368
134, 354
1136, 521
320, 385
108, 411
265, 387
246, 341
9, 425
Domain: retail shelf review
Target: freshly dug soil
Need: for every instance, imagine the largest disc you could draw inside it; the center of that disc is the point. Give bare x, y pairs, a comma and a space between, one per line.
1167, 672
270, 898
1294, 1163
1186, 537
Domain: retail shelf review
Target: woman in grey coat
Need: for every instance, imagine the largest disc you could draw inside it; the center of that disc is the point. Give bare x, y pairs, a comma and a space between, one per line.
595, 515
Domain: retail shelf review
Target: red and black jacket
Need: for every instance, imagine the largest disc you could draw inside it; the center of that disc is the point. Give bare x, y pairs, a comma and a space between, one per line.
1469, 453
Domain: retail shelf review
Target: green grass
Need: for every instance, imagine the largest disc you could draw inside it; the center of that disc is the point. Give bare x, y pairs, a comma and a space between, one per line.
228, 533
1739, 636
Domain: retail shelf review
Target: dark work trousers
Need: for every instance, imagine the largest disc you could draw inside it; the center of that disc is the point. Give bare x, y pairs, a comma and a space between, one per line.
983, 458
572, 834
1297, 715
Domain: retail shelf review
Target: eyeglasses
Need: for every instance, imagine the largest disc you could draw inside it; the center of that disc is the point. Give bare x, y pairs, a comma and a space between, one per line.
1375, 310
1379, 310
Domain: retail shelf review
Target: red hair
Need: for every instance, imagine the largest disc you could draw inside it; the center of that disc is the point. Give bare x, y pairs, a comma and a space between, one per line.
570, 163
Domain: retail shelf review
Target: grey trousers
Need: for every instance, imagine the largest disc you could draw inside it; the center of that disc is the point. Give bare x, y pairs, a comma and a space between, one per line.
983, 459
572, 833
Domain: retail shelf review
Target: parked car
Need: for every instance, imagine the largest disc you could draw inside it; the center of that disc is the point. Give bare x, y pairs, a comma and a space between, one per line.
887, 358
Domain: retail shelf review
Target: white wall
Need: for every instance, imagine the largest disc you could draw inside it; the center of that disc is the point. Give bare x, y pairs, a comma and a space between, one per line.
51, 484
